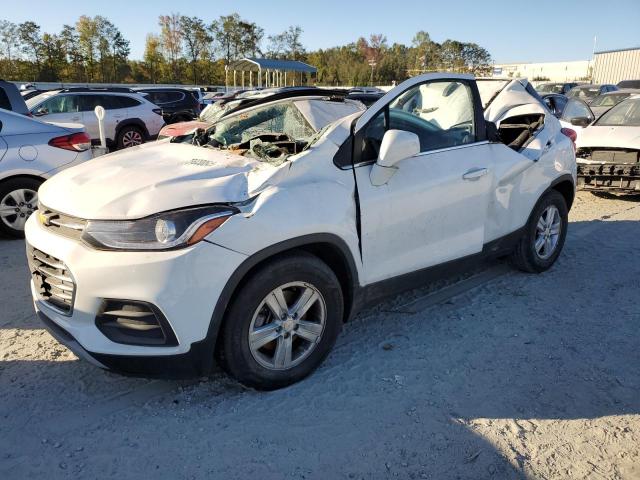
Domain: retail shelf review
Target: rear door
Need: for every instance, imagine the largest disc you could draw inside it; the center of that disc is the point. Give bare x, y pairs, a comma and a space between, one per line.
433, 209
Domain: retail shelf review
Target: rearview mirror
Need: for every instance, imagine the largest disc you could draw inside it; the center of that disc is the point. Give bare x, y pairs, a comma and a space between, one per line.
580, 121
396, 145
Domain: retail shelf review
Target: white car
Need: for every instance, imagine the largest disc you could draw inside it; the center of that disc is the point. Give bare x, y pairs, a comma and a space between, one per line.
130, 119
608, 153
30, 152
256, 240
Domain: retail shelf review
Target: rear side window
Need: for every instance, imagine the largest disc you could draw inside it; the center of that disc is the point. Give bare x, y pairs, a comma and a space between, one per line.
4, 100
89, 102
126, 102
164, 96
114, 102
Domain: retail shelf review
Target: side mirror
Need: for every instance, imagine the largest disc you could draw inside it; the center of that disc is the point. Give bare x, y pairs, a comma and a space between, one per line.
396, 145
580, 121
40, 112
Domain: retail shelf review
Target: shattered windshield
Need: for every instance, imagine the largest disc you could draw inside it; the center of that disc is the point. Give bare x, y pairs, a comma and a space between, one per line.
284, 118
274, 131
215, 111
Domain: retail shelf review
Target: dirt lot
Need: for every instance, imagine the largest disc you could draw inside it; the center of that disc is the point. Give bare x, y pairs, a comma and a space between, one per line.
495, 375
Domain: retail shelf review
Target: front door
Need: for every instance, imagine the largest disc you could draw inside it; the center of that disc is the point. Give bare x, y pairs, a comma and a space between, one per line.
433, 209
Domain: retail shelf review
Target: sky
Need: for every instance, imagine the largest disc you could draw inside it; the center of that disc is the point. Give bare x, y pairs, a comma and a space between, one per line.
512, 31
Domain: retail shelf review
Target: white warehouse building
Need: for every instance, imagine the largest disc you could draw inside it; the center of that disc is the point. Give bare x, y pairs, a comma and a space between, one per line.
551, 71
612, 66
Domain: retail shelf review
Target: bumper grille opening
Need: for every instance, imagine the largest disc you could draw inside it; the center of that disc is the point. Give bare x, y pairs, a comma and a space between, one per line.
52, 279
134, 323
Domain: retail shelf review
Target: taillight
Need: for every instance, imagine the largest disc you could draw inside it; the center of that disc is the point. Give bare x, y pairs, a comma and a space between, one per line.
157, 111
76, 142
572, 134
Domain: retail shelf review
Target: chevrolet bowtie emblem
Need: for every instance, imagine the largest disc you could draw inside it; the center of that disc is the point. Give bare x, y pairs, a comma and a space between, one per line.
44, 220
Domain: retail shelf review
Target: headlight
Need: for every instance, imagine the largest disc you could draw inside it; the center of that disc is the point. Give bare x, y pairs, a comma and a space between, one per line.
163, 231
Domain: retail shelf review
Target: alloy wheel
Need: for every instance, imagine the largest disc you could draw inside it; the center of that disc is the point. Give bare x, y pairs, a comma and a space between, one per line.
548, 231
131, 138
287, 326
16, 206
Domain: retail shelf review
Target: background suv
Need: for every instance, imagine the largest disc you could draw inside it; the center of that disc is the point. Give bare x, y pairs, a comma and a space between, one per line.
177, 104
130, 119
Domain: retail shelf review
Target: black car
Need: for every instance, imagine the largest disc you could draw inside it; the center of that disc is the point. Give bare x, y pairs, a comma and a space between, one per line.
629, 84
177, 104
590, 92
10, 98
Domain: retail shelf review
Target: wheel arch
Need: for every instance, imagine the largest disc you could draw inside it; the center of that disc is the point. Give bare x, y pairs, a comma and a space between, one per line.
565, 186
22, 175
136, 122
329, 248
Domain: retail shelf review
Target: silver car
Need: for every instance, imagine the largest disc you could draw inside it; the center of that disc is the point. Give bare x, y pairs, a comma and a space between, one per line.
30, 152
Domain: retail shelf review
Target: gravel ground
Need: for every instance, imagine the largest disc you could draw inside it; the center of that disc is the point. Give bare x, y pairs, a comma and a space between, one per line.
494, 375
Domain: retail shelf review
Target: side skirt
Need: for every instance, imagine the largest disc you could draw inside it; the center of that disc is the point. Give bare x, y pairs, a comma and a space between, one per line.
371, 294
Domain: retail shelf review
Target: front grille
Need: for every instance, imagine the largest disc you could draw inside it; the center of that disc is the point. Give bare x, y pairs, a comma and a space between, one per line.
609, 155
52, 279
60, 223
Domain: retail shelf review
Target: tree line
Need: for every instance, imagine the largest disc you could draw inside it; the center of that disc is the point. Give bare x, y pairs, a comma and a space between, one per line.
189, 50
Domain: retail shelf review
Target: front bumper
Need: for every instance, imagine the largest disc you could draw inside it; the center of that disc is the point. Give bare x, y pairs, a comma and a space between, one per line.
608, 176
183, 284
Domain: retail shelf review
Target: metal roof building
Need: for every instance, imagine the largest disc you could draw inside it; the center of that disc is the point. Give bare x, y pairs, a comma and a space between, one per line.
266, 72
612, 66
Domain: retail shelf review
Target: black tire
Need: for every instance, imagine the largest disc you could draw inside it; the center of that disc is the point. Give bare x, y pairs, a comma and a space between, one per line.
129, 132
524, 256
234, 352
12, 185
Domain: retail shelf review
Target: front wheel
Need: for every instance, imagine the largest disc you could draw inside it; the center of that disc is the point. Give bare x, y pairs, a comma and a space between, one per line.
283, 322
544, 235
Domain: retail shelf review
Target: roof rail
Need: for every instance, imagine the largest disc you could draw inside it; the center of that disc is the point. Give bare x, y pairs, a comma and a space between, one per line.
98, 89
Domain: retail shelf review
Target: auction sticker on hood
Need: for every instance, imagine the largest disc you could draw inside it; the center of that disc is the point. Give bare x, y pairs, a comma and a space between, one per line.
200, 162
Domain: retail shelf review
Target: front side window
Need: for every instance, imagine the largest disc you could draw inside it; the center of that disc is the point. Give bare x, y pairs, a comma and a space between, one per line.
60, 104
440, 113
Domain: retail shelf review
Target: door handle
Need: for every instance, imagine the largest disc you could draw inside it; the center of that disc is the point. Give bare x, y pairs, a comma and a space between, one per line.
475, 173
75, 119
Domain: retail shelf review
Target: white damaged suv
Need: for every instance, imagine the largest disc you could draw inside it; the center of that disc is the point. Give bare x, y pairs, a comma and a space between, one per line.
253, 241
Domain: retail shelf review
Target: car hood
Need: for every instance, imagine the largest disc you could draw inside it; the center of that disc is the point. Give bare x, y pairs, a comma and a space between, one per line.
603, 136
182, 128
153, 178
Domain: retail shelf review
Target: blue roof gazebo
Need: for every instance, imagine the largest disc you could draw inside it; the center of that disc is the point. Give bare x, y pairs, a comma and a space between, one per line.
267, 72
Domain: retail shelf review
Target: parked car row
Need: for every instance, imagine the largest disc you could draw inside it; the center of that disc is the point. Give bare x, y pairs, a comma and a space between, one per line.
606, 120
